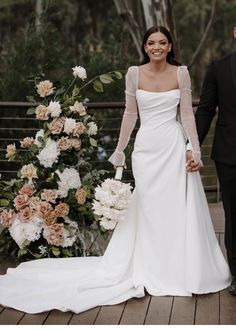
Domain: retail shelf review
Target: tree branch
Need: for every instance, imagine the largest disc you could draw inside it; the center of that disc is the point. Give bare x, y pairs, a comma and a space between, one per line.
205, 34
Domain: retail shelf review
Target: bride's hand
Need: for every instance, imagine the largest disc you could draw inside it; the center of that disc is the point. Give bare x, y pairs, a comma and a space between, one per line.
191, 166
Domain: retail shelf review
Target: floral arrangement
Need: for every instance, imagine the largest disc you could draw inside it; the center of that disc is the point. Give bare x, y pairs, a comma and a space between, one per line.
46, 211
110, 203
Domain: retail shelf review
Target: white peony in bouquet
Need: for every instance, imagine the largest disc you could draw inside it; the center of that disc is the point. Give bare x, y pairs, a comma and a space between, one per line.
111, 201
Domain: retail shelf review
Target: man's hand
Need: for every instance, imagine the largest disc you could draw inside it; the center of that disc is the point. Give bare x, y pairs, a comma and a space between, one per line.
191, 165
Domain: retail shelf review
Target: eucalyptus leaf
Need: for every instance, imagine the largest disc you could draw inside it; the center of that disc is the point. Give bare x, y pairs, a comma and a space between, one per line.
106, 78
98, 86
118, 75
93, 142
30, 111
56, 251
4, 202
30, 98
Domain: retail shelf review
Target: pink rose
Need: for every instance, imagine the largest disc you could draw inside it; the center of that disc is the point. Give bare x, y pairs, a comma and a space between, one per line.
7, 217
50, 218
25, 214
33, 203
64, 143
27, 190
62, 209
43, 208
76, 144
55, 236
11, 150
21, 201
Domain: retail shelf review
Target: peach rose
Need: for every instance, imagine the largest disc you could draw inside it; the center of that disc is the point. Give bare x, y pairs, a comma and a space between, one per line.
76, 144
29, 172
49, 195
11, 150
21, 201
27, 190
79, 129
79, 108
26, 142
45, 88
50, 218
64, 143
56, 125
80, 196
43, 208
41, 112
25, 214
62, 209
55, 236
7, 218
56, 240
33, 203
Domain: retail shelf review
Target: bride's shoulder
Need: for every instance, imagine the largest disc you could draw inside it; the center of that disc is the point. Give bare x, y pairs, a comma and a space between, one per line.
132, 69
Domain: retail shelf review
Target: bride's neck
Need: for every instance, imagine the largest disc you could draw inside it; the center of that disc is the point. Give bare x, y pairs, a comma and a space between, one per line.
160, 66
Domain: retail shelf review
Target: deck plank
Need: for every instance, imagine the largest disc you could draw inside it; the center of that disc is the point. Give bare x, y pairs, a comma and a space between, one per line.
159, 311
207, 310
135, 310
110, 314
10, 316
33, 319
227, 308
58, 317
85, 318
183, 311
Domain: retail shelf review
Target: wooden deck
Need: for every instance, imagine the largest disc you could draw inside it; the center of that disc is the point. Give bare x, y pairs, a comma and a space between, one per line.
214, 309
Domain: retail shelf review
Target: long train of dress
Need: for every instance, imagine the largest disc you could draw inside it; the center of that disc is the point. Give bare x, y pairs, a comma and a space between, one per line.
166, 244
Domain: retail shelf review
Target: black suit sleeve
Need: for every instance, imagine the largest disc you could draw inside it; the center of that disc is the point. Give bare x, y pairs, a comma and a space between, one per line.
207, 105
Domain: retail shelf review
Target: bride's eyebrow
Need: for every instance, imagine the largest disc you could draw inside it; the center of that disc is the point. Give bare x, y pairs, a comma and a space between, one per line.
151, 40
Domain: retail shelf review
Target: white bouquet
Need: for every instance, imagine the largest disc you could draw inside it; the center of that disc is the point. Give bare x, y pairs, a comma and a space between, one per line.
111, 201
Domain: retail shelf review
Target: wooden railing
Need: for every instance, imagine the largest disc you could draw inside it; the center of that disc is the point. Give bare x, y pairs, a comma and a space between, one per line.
15, 125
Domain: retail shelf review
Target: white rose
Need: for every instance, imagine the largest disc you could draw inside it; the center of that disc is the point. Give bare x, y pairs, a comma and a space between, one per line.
54, 108
69, 125
92, 128
79, 71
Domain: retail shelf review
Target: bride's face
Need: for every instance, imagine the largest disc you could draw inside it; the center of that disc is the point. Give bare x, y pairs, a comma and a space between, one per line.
157, 46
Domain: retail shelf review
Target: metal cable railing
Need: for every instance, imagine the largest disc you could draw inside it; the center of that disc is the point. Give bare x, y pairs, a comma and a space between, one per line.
15, 125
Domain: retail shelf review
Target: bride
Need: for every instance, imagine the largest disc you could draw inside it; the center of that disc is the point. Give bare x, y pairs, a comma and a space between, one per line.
166, 245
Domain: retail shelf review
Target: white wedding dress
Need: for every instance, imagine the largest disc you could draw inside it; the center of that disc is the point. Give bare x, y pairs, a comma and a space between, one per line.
166, 244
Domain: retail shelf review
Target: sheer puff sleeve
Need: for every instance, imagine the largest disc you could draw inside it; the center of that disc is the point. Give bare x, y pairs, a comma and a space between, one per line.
186, 113
129, 117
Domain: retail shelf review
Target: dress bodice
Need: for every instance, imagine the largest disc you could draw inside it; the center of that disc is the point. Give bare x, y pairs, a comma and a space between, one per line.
156, 108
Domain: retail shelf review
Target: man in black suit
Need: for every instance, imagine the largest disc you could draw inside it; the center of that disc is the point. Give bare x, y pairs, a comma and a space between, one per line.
219, 90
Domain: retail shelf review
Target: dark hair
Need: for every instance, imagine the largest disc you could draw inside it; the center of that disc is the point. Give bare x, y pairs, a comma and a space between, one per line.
170, 56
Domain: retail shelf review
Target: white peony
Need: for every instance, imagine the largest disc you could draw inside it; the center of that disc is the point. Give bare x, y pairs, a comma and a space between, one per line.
40, 133
69, 125
69, 179
108, 224
92, 128
79, 71
21, 231
54, 108
49, 154
111, 202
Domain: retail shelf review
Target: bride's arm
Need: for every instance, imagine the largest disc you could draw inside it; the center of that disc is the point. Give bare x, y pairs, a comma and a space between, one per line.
128, 120
187, 114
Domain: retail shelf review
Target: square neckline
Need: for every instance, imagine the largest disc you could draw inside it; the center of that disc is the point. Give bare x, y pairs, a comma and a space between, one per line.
158, 92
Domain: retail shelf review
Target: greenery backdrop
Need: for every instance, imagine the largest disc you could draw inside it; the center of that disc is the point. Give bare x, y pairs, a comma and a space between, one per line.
92, 34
